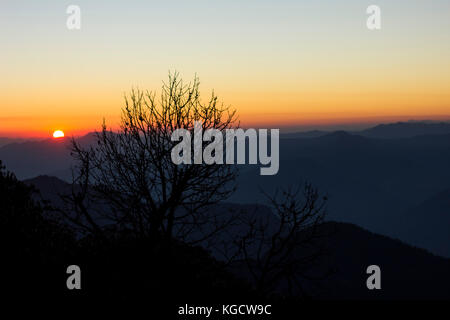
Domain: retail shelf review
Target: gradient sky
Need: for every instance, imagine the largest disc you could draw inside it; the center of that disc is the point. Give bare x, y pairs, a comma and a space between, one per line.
280, 63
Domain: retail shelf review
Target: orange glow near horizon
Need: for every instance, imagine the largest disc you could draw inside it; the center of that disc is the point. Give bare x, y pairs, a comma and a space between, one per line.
301, 103
39, 127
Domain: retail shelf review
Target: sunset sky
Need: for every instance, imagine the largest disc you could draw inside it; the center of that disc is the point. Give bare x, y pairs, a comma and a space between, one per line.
280, 63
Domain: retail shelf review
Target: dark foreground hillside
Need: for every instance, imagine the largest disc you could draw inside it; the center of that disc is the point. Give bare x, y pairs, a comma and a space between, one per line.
407, 272
131, 270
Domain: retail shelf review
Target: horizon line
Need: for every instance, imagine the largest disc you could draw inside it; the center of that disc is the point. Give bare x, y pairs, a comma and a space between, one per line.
363, 124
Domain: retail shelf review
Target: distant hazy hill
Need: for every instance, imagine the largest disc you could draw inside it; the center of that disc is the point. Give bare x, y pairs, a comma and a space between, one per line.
406, 130
386, 131
428, 224
28, 159
32, 158
304, 134
4, 141
370, 182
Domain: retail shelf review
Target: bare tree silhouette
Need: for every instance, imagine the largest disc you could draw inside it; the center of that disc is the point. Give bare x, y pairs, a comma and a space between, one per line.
128, 178
126, 184
281, 250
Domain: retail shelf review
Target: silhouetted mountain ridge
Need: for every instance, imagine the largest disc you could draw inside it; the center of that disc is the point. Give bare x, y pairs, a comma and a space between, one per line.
406, 272
396, 130
370, 181
31, 158
406, 130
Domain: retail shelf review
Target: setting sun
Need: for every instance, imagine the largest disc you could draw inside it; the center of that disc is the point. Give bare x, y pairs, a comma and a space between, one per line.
58, 134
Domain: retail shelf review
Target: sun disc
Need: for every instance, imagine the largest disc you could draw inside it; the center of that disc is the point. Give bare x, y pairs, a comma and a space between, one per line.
58, 134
